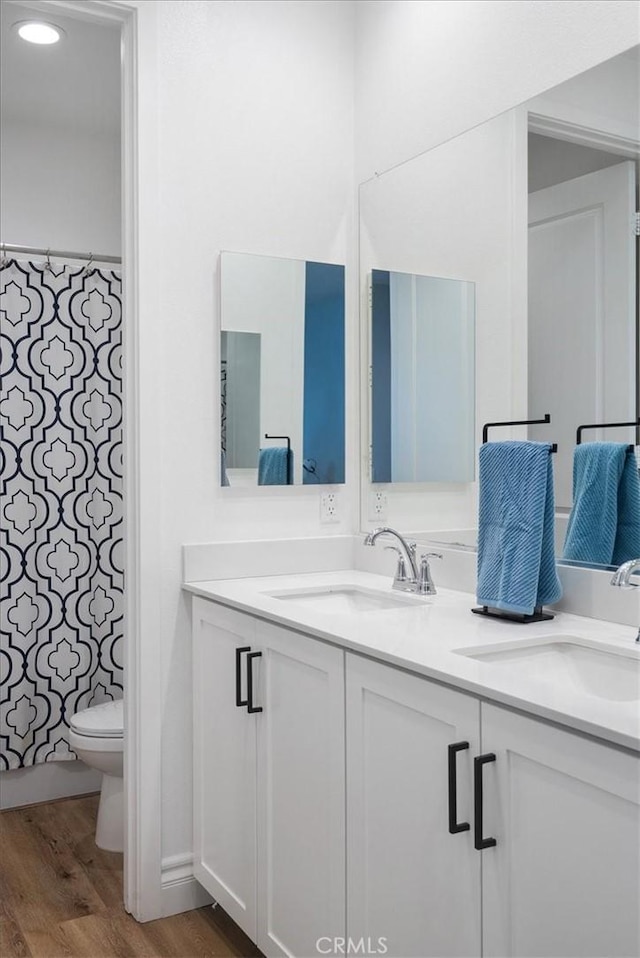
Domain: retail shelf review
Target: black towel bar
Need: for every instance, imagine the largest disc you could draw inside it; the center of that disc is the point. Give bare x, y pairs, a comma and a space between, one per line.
635, 424
518, 422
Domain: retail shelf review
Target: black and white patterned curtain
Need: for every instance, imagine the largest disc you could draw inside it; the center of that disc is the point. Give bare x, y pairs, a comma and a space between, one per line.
61, 531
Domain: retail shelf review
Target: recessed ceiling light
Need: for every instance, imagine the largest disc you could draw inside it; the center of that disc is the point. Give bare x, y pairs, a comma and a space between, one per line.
37, 31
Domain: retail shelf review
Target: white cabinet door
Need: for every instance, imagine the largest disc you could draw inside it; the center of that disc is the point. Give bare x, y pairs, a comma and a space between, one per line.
564, 876
224, 763
301, 813
409, 880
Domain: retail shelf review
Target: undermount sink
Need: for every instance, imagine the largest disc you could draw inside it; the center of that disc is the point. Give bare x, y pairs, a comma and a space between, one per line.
568, 662
343, 599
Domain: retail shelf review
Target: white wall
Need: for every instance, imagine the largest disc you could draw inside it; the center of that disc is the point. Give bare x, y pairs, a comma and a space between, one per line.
246, 135
429, 69
60, 188
46, 782
606, 98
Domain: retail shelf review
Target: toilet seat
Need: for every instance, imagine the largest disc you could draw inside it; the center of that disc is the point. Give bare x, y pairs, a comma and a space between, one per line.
105, 721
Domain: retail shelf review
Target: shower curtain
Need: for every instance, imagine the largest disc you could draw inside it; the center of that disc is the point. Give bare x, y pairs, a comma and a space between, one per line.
61, 531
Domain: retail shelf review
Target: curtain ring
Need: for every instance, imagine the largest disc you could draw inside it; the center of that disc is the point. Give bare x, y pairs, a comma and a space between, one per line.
88, 266
48, 267
4, 259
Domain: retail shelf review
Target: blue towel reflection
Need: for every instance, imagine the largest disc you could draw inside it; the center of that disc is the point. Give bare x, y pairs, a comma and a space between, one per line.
275, 466
604, 525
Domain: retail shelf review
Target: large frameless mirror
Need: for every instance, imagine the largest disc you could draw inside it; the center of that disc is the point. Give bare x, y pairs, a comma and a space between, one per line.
536, 209
282, 366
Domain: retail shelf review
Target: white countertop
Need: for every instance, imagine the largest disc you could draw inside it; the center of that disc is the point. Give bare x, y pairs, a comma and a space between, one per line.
422, 636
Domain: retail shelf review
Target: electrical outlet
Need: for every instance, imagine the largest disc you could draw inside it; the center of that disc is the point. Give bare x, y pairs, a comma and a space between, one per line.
329, 507
378, 506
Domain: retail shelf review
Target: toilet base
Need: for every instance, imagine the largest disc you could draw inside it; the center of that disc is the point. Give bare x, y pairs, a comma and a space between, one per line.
110, 824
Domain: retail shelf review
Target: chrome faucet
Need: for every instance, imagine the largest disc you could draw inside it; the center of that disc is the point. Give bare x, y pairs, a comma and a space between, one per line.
408, 577
622, 578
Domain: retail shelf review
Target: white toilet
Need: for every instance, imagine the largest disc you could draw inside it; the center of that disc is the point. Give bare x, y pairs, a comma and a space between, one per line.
96, 735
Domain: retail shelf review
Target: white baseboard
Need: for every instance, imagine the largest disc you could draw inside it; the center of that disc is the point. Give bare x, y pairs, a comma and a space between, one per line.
180, 890
46, 783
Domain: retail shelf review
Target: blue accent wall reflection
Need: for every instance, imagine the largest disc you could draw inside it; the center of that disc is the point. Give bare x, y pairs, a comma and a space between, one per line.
324, 374
381, 380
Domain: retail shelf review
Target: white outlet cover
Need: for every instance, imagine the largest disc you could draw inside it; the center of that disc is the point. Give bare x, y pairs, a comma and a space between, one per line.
329, 507
378, 506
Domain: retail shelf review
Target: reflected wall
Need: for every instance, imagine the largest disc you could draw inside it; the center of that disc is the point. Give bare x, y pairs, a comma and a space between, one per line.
422, 378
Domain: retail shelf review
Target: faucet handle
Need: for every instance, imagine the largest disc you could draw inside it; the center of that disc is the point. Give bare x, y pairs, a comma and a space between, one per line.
426, 585
401, 568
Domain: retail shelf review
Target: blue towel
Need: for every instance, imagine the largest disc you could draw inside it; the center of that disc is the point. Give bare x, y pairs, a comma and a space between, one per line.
604, 525
516, 559
272, 466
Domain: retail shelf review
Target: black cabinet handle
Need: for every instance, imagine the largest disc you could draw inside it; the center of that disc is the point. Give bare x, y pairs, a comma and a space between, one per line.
454, 824
478, 764
239, 700
250, 706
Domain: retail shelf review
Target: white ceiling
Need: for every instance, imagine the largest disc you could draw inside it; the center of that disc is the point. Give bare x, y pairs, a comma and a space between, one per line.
74, 84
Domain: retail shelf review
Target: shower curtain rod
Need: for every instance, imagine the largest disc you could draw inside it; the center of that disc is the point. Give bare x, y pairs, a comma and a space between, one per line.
60, 253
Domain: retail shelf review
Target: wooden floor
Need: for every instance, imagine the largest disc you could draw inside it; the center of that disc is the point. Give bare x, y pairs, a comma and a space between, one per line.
60, 895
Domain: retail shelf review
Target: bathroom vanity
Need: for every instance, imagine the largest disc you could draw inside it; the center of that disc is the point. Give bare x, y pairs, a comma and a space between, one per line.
375, 766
